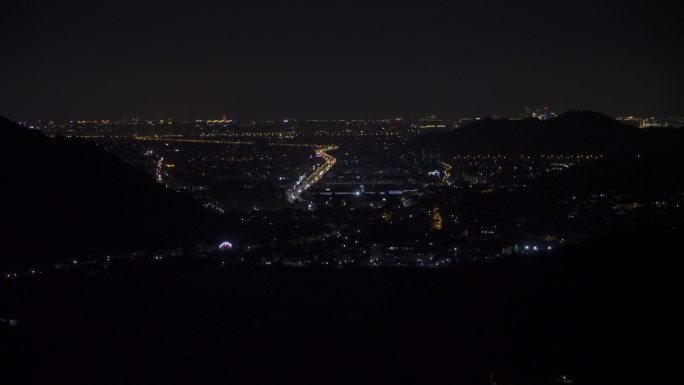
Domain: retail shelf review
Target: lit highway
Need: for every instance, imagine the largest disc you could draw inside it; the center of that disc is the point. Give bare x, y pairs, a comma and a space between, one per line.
446, 179
159, 170
305, 183
293, 194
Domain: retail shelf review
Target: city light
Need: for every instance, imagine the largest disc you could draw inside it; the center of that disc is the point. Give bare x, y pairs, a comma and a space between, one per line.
413, 193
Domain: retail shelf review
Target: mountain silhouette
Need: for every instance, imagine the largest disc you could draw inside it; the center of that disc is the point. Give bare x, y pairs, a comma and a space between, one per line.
584, 132
64, 198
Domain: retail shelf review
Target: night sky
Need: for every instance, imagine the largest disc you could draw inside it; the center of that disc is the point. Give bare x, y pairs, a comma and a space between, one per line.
344, 59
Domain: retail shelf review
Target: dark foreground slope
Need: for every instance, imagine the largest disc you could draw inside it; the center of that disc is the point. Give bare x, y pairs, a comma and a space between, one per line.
574, 132
639, 175
63, 198
604, 313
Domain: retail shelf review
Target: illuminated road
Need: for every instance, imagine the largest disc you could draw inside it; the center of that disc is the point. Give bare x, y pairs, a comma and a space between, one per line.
447, 174
304, 184
293, 194
159, 169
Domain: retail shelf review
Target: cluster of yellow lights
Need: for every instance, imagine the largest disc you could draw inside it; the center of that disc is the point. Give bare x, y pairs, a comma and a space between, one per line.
551, 156
220, 121
446, 179
382, 133
92, 122
166, 139
437, 223
251, 134
323, 147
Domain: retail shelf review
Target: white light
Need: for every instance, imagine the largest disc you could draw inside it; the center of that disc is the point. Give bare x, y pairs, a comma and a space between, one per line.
225, 246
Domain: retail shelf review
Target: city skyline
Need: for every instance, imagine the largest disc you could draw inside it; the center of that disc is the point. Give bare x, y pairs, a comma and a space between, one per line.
537, 113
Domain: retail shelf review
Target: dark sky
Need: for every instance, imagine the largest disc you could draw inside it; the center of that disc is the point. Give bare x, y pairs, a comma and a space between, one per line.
344, 59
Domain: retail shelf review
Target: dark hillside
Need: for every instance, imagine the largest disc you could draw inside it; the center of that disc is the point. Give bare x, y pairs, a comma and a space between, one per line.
61, 198
574, 132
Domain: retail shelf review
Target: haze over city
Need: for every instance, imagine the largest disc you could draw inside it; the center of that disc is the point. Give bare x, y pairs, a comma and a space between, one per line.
343, 60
